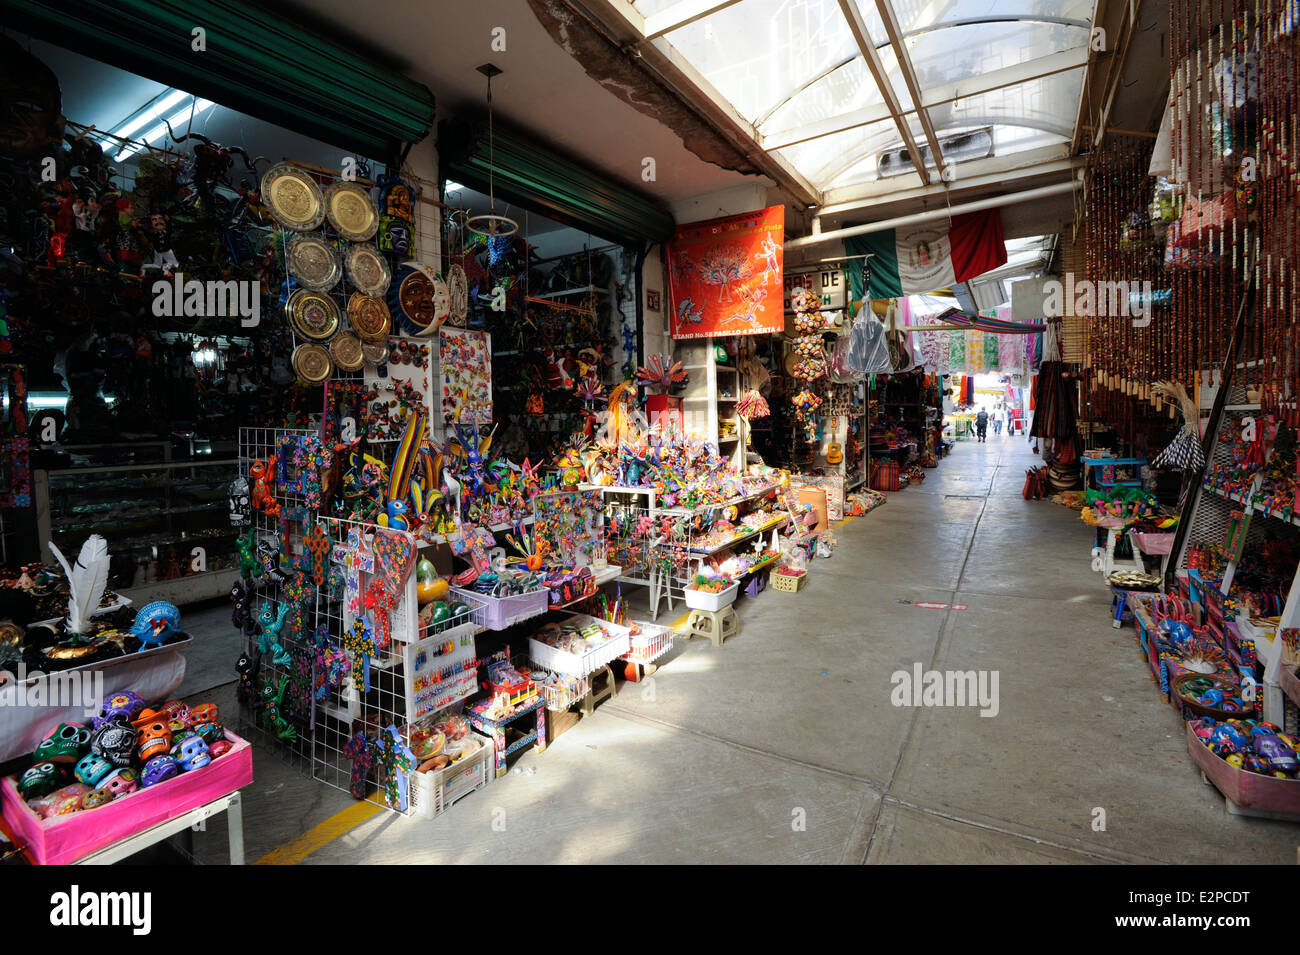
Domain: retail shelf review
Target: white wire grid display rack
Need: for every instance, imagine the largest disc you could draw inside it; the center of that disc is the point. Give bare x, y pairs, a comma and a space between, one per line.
323, 715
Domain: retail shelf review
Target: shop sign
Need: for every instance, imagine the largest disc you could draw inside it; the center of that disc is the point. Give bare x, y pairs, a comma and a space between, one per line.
827, 284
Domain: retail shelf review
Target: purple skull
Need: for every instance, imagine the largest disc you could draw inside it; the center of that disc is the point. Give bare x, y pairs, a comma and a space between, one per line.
159, 769
1277, 754
121, 707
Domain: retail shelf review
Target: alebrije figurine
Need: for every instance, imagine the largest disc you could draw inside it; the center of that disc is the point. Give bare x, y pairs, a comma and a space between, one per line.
155, 623
272, 623
272, 699
241, 592
249, 566
262, 474
247, 666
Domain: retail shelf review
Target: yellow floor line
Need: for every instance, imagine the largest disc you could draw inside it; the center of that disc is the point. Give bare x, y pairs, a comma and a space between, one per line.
321, 834
680, 621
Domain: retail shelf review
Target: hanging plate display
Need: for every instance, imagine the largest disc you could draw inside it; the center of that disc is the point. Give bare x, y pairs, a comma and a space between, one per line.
351, 211
345, 349
458, 293
368, 270
293, 197
314, 315
314, 263
369, 317
418, 299
375, 353
312, 363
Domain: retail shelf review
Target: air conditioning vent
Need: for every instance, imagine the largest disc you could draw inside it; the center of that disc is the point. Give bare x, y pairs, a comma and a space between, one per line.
956, 147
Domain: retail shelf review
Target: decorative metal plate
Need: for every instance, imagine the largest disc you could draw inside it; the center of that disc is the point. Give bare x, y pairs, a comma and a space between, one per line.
375, 353
369, 316
345, 349
293, 197
312, 363
351, 211
314, 263
314, 315
368, 270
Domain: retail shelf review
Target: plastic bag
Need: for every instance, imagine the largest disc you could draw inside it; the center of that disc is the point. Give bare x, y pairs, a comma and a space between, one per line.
868, 351
841, 372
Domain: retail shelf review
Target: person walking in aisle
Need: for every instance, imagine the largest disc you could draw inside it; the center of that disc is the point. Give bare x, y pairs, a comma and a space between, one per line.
1011, 422
982, 425
997, 420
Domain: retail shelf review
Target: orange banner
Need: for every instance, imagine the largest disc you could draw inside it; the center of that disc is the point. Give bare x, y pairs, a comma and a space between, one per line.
724, 276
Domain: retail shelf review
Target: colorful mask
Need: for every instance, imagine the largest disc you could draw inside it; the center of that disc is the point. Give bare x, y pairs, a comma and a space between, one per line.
66, 743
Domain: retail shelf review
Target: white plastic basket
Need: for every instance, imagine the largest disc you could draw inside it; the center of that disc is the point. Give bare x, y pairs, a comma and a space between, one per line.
581, 664
703, 600
434, 792
652, 642
498, 613
560, 698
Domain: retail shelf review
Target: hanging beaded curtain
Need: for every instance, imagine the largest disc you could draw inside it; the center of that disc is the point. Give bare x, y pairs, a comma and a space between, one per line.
1228, 206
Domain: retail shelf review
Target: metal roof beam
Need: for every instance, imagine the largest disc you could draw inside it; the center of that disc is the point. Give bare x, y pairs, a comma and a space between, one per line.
682, 14
860, 34
895, 33
1026, 72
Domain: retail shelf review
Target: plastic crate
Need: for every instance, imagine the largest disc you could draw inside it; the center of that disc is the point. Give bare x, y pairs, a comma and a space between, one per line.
789, 583
434, 792
648, 645
581, 664
703, 600
498, 613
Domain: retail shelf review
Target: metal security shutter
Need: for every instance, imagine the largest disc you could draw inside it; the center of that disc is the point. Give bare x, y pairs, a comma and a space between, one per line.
525, 172
255, 61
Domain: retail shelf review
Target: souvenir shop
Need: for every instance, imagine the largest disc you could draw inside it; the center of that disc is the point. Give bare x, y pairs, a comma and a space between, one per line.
407, 416
1182, 412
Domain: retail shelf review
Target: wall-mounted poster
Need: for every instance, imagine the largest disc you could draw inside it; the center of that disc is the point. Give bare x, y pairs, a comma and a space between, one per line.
724, 276
465, 359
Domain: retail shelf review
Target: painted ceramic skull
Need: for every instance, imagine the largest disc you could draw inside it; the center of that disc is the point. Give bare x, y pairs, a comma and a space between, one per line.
115, 742
120, 707
159, 769
41, 780
96, 798
220, 748
120, 782
91, 769
1277, 754
66, 743
191, 753
205, 713
153, 739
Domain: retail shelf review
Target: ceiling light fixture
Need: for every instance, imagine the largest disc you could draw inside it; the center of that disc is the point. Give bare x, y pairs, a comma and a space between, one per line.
194, 108
491, 224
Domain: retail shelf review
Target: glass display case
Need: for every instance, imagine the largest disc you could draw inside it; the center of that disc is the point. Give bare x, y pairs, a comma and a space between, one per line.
167, 521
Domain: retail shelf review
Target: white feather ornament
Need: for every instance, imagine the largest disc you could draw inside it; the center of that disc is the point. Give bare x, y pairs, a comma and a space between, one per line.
86, 581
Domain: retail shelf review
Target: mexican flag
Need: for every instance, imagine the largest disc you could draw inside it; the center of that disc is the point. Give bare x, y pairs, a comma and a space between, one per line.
928, 257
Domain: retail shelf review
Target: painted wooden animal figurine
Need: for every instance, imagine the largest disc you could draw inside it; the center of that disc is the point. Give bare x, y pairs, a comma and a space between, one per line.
272, 624
155, 623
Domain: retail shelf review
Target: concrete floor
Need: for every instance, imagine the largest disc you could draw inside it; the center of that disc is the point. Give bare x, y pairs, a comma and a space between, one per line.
783, 746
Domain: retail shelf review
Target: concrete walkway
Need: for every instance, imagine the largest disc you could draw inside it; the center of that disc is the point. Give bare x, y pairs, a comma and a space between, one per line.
784, 746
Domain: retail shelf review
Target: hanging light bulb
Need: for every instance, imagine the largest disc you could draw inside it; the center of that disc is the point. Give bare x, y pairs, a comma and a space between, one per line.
491, 225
